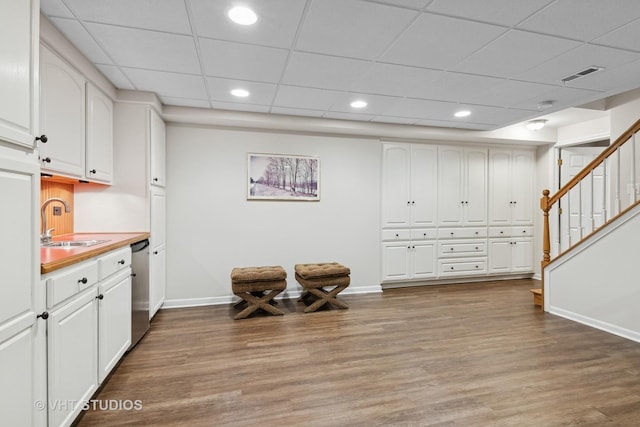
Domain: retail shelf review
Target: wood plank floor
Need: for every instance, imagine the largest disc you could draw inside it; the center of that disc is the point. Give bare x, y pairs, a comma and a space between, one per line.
454, 355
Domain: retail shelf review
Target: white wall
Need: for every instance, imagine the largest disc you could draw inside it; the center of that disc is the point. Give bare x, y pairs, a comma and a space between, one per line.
212, 227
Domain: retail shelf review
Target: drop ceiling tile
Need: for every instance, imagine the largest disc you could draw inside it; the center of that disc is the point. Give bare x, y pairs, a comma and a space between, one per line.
456, 87
562, 97
348, 116
514, 53
421, 109
277, 21
394, 120
440, 42
573, 61
322, 71
395, 80
305, 98
507, 93
358, 29
74, 30
242, 61
581, 19
501, 12
185, 102
376, 104
240, 107
625, 37
147, 49
411, 4
458, 125
611, 80
115, 76
55, 8
160, 15
167, 84
259, 93
296, 112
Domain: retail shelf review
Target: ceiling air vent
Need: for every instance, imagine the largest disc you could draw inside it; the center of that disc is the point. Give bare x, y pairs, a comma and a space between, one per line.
582, 73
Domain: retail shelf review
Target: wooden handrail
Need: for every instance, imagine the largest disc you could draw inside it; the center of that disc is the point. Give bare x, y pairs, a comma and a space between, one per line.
547, 202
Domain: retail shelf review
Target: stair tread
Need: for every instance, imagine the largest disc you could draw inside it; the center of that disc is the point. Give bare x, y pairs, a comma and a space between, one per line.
536, 291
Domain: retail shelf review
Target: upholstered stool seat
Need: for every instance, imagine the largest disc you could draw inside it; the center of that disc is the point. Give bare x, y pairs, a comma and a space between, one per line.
315, 277
257, 286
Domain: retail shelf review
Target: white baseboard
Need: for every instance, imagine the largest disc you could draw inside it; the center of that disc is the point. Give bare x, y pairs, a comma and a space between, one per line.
598, 324
287, 294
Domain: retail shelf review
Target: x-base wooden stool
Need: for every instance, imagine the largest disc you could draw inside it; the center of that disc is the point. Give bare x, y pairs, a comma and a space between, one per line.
315, 277
257, 286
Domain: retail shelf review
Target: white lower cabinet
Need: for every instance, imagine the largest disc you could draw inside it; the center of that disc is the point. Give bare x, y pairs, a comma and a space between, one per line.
157, 279
88, 330
408, 254
511, 249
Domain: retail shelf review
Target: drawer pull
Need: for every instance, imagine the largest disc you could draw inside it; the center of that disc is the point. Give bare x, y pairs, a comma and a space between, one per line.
83, 281
100, 296
452, 268
121, 262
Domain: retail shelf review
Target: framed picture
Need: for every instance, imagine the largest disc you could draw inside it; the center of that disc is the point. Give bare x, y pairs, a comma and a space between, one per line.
283, 177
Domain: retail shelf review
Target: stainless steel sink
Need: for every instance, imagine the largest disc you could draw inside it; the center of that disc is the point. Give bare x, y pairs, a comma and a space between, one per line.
72, 243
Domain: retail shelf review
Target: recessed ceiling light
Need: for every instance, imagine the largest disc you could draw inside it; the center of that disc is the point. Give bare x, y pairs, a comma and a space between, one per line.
462, 113
359, 104
242, 15
240, 93
536, 124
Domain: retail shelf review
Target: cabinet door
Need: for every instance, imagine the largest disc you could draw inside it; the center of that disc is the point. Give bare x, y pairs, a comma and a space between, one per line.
158, 217
72, 357
423, 257
157, 279
522, 193
395, 261
62, 116
22, 334
396, 163
500, 182
19, 40
424, 178
158, 149
99, 162
475, 186
114, 321
500, 251
522, 260
450, 185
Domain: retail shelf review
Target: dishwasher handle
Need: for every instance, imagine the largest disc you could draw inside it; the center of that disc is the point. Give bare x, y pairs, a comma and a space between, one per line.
140, 246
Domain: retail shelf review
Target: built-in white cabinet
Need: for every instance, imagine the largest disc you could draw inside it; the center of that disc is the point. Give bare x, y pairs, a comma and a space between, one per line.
157, 261
77, 119
510, 249
99, 143
409, 185
88, 329
19, 39
462, 186
408, 254
511, 192
22, 329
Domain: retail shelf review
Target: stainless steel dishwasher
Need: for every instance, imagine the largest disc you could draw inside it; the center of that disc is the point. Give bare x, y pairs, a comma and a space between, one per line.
139, 291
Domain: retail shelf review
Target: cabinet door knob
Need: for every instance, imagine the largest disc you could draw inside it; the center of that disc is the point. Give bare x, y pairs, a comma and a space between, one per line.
121, 262
452, 268
155, 252
83, 281
47, 160
476, 248
44, 315
42, 138
452, 234
155, 179
100, 296
92, 171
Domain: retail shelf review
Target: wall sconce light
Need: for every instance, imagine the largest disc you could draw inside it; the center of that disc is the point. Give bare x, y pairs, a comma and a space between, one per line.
536, 124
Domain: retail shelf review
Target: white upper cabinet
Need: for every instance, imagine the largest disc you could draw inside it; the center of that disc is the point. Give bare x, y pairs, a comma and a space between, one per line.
462, 186
19, 29
62, 116
99, 160
511, 187
158, 147
409, 185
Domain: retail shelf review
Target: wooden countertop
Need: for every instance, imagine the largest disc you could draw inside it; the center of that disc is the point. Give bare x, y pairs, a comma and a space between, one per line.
52, 259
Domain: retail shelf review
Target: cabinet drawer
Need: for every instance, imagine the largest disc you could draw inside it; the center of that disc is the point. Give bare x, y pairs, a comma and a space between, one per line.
462, 233
522, 231
423, 234
451, 249
113, 262
398, 234
451, 267
500, 231
70, 281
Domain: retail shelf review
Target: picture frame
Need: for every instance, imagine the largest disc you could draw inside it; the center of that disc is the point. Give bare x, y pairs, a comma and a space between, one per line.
283, 177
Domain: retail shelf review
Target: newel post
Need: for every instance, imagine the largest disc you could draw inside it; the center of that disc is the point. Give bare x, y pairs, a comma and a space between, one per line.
546, 240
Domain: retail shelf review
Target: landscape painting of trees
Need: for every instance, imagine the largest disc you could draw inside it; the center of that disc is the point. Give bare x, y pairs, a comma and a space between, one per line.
283, 177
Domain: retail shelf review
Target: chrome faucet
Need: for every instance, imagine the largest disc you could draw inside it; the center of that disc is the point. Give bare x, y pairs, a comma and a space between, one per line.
45, 237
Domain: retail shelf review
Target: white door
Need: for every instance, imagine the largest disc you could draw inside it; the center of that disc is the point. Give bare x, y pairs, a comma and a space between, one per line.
500, 256
158, 149
583, 207
424, 169
396, 163
423, 257
522, 188
114, 321
475, 185
522, 255
99, 164
500, 201
450, 185
395, 261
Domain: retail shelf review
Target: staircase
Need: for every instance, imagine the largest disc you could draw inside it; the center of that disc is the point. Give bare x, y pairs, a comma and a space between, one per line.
621, 161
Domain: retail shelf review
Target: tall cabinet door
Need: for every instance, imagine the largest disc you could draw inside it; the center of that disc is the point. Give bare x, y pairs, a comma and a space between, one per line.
157, 256
22, 334
158, 149
99, 163
19, 27
522, 193
424, 176
475, 185
450, 185
396, 198
500, 201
